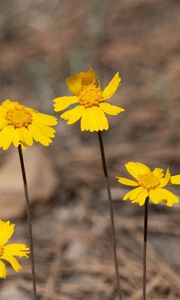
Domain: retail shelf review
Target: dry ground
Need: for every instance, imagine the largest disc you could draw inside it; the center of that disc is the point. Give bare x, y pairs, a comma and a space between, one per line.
41, 43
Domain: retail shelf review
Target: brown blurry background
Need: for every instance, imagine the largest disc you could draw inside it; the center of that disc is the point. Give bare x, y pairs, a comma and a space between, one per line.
41, 43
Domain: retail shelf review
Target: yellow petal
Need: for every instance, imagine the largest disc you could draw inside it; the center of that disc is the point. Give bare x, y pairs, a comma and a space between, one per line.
6, 137
73, 115
155, 196
38, 135
175, 179
45, 119
141, 198
158, 172
126, 181
3, 121
94, 119
2, 270
6, 231
110, 109
44, 130
14, 249
13, 262
16, 137
136, 169
26, 137
132, 195
9, 103
166, 179
88, 77
112, 87
168, 197
62, 103
74, 84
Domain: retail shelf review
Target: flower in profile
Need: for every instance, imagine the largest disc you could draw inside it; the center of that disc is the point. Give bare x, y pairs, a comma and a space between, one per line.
9, 251
20, 125
150, 184
90, 99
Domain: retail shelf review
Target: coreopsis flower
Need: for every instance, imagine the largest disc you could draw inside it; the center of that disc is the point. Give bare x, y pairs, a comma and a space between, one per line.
90, 101
8, 252
150, 184
20, 125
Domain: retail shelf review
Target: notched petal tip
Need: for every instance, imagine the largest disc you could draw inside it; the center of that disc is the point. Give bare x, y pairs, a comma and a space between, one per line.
110, 109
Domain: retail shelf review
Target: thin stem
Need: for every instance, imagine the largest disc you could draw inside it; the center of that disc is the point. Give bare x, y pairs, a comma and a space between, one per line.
114, 244
29, 219
146, 206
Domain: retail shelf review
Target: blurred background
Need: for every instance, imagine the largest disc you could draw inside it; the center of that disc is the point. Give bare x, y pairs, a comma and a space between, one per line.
41, 43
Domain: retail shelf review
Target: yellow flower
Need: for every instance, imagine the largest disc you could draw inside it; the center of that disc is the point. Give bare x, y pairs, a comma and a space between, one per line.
8, 252
149, 184
20, 125
89, 96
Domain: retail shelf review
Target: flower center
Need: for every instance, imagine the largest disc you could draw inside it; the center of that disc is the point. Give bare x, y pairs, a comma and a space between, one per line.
1, 250
90, 96
149, 181
19, 116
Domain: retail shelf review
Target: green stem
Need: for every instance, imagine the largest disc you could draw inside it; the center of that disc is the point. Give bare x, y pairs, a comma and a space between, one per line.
29, 219
146, 206
114, 243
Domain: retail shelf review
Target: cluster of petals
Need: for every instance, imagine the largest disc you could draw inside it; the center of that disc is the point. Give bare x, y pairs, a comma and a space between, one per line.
89, 101
21, 125
150, 184
8, 251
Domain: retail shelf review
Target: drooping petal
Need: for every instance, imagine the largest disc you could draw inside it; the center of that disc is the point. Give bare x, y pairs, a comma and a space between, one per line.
137, 169
112, 87
84, 121
74, 84
175, 179
141, 198
166, 179
6, 231
38, 135
6, 137
15, 249
110, 109
62, 103
74, 114
132, 195
13, 262
94, 119
126, 181
26, 137
46, 131
168, 197
2, 270
16, 137
155, 196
